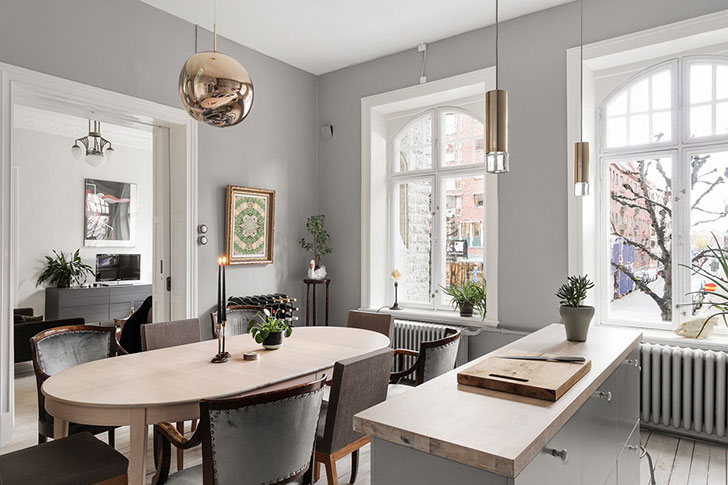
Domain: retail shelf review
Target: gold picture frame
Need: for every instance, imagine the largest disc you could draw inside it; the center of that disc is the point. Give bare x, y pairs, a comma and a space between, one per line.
250, 225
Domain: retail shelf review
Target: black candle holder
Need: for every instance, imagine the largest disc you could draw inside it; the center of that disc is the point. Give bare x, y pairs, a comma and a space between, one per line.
396, 305
221, 356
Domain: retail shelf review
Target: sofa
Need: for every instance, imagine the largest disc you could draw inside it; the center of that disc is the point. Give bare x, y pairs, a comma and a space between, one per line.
26, 325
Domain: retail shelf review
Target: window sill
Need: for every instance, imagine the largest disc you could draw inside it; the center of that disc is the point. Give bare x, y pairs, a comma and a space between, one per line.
439, 316
717, 342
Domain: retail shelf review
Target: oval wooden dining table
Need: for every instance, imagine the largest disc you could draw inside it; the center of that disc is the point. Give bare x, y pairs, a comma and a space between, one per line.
142, 389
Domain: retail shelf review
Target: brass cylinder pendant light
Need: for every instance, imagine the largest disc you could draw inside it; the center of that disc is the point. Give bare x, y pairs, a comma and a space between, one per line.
581, 148
496, 121
215, 88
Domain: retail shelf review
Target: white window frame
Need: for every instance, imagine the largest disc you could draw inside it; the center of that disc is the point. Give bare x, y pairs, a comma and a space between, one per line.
376, 285
692, 36
437, 176
704, 59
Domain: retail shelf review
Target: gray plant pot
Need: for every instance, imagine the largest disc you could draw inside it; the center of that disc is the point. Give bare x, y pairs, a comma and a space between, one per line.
576, 321
466, 309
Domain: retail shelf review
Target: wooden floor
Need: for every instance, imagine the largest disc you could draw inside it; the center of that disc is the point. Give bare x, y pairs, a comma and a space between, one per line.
678, 461
681, 461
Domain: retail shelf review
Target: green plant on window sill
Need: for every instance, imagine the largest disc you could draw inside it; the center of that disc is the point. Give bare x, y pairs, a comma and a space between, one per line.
269, 330
469, 298
714, 300
64, 271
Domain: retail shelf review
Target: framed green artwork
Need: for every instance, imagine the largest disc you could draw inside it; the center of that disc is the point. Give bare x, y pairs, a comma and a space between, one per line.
250, 225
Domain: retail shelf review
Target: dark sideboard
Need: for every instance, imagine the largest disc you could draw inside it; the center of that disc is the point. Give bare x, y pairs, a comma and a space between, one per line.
98, 304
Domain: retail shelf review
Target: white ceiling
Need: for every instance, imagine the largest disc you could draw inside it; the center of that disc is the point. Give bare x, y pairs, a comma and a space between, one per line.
320, 36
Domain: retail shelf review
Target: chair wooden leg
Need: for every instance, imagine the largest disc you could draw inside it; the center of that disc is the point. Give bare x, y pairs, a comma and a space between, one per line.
354, 466
163, 450
180, 453
331, 477
316, 471
112, 438
41, 439
194, 425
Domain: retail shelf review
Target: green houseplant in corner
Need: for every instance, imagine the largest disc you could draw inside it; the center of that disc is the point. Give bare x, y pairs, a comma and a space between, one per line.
469, 298
269, 330
576, 317
64, 271
320, 246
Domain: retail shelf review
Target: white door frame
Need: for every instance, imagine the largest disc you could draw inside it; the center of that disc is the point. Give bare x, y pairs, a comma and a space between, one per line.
16, 81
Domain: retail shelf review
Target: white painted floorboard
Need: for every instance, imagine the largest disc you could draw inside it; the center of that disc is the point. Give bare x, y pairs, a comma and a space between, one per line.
679, 461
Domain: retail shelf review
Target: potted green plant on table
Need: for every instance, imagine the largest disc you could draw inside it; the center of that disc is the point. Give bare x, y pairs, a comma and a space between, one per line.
269, 330
64, 271
320, 246
468, 297
715, 298
574, 314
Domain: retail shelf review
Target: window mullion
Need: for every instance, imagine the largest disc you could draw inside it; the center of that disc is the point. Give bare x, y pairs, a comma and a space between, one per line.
435, 251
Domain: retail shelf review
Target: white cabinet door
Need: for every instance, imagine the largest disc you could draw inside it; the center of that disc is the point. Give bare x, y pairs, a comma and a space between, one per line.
628, 463
598, 430
559, 462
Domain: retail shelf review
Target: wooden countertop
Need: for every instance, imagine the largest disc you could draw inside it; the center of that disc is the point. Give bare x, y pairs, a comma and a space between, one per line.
491, 430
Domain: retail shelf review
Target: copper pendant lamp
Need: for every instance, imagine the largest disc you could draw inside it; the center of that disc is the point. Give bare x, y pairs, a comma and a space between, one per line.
215, 88
581, 147
496, 121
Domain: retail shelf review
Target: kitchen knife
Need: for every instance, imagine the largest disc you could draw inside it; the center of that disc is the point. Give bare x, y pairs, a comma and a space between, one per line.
556, 358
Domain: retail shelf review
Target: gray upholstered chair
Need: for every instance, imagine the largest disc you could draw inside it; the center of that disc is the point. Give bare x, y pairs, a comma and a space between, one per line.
377, 322
75, 459
358, 384
238, 317
434, 358
261, 438
170, 334
60, 348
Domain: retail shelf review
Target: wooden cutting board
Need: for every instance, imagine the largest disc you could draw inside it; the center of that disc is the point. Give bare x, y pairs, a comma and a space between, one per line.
531, 378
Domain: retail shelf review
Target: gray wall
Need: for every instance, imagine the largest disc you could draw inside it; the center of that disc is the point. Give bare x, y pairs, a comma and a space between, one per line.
132, 48
532, 197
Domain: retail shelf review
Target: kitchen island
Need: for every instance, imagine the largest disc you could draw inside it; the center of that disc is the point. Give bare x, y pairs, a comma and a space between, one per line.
443, 432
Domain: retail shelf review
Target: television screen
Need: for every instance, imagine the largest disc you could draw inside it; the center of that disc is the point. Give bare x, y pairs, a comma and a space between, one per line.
118, 267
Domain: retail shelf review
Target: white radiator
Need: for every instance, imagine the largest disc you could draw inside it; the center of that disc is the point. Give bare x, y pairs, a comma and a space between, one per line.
684, 390
408, 334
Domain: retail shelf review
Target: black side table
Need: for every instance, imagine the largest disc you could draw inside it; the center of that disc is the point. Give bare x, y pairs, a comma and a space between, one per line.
313, 284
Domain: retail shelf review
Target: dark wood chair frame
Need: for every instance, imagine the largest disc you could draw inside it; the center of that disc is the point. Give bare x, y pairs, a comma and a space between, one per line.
213, 315
165, 434
418, 368
45, 427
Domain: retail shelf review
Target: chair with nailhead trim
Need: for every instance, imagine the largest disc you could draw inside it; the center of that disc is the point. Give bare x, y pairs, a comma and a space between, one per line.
261, 438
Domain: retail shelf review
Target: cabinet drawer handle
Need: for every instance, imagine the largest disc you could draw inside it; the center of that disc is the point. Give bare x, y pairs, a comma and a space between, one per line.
563, 454
633, 363
607, 395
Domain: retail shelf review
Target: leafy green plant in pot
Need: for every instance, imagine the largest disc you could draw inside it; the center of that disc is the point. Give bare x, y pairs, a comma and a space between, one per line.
64, 271
469, 298
269, 330
320, 245
576, 317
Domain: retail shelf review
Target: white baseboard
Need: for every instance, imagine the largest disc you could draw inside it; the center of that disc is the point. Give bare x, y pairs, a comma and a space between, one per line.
6, 429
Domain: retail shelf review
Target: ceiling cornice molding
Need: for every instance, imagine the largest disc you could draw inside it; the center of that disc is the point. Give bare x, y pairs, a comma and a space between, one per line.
73, 127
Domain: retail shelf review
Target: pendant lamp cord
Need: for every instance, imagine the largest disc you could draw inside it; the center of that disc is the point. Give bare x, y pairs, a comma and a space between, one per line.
496, 44
581, 70
214, 25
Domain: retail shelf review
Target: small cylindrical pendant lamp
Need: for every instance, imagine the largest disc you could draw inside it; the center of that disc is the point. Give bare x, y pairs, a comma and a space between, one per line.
496, 131
581, 168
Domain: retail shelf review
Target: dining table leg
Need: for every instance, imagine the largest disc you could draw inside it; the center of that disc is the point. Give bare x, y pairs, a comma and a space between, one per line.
138, 431
60, 428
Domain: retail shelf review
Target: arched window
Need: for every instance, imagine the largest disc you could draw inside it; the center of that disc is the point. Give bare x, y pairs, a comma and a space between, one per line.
663, 145
438, 204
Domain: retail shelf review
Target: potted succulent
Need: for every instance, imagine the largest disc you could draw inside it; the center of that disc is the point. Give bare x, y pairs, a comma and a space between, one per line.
319, 246
469, 298
64, 271
576, 317
269, 330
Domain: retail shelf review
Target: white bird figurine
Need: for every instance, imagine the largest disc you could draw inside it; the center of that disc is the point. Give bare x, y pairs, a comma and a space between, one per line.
316, 274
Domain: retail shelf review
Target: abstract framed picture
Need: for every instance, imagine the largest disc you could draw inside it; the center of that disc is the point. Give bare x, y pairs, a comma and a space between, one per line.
110, 213
250, 223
